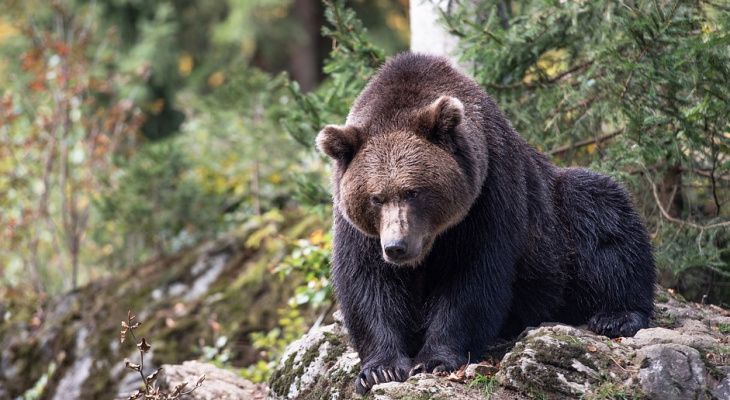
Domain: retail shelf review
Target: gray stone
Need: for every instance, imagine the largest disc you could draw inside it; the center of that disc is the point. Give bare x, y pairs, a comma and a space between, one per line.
693, 338
473, 370
218, 384
672, 372
319, 365
558, 359
424, 386
721, 390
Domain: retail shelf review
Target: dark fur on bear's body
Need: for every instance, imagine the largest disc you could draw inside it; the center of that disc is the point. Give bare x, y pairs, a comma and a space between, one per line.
507, 240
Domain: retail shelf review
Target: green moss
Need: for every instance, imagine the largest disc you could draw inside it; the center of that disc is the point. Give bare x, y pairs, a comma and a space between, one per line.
282, 378
338, 346
563, 355
665, 319
712, 367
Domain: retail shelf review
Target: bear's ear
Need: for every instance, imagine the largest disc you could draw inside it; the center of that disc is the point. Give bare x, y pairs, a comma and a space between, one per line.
339, 142
440, 117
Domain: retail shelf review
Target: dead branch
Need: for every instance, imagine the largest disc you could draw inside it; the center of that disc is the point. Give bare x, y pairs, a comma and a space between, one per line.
586, 142
668, 217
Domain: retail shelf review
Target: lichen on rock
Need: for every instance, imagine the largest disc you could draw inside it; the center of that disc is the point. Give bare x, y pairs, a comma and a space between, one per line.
319, 365
684, 355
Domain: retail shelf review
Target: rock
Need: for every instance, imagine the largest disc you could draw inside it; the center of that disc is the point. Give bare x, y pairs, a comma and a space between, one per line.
684, 355
672, 372
560, 361
422, 387
647, 337
721, 390
320, 365
218, 384
474, 370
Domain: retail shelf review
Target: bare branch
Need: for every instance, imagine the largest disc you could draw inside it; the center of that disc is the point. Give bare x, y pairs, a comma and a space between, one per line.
596, 140
668, 217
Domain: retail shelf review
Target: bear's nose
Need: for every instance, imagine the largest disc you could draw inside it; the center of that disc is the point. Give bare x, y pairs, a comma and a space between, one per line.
395, 249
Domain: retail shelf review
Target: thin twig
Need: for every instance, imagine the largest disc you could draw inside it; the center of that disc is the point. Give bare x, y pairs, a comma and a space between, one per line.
556, 79
595, 140
668, 217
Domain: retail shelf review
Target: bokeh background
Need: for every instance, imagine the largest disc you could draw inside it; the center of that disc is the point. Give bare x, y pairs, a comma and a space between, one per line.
133, 132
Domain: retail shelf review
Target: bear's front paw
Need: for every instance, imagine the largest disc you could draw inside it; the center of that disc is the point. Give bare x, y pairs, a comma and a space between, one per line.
618, 323
373, 375
436, 367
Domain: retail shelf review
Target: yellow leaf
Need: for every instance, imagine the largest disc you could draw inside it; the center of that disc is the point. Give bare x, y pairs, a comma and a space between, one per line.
185, 64
216, 79
591, 148
7, 30
275, 178
316, 237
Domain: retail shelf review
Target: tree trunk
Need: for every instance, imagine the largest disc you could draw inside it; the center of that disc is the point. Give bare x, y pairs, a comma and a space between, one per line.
305, 59
428, 35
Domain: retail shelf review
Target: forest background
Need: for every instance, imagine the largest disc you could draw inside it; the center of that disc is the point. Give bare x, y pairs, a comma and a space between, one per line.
130, 130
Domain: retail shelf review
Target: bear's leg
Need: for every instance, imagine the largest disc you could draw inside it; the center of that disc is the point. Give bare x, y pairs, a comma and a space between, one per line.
376, 313
612, 287
466, 314
377, 303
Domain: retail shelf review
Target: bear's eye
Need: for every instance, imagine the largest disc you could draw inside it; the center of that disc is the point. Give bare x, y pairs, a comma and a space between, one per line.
411, 194
377, 200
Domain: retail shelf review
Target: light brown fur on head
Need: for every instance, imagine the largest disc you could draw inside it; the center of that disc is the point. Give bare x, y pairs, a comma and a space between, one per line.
402, 185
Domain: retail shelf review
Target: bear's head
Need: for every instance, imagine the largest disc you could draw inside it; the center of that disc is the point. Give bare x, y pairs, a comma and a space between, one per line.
402, 180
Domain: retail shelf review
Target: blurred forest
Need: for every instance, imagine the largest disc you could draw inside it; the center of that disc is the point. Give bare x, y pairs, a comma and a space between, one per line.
133, 129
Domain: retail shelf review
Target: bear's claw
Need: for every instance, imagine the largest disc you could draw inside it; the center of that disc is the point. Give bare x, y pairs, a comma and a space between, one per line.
433, 367
372, 376
618, 323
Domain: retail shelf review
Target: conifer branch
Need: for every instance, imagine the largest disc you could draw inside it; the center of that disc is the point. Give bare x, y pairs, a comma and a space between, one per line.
647, 47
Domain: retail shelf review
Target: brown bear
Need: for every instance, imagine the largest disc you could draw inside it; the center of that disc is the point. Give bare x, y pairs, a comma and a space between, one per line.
450, 230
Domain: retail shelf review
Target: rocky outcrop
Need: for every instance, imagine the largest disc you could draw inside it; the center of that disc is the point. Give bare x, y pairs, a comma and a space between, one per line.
684, 355
219, 384
69, 347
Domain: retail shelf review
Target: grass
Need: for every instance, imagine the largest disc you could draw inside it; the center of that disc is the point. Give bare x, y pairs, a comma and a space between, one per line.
483, 381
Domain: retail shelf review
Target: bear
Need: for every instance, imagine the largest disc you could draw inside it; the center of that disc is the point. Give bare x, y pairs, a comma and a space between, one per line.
450, 230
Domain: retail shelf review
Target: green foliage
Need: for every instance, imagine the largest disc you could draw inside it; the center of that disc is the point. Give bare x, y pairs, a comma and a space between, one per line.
352, 62
484, 383
312, 257
271, 344
156, 207
641, 91
66, 117
36, 391
218, 354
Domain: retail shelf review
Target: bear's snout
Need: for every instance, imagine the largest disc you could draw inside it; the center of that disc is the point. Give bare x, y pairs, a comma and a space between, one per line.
402, 250
395, 250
